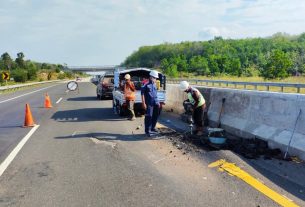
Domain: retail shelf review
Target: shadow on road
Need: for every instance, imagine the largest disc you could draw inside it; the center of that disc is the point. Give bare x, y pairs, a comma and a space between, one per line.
110, 136
86, 114
83, 98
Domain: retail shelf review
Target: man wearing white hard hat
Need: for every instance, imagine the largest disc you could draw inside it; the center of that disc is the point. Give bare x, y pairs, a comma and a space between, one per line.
150, 103
130, 96
198, 103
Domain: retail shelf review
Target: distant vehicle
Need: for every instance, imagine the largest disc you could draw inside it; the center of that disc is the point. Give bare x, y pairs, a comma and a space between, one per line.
139, 76
95, 79
104, 86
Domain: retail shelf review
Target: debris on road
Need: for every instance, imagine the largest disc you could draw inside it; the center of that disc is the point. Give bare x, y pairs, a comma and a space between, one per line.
248, 148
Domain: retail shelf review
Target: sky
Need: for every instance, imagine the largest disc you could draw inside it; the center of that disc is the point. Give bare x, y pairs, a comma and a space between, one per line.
105, 32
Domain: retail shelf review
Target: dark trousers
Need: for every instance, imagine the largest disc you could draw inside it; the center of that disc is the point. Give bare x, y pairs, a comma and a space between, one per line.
151, 117
197, 116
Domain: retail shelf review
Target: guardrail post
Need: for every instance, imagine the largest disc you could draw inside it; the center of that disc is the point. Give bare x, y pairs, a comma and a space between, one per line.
245, 86
298, 89
255, 87
227, 84
267, 87
282, 88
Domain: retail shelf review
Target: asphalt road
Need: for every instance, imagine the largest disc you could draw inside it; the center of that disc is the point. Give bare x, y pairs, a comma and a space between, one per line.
12, 112
84, 155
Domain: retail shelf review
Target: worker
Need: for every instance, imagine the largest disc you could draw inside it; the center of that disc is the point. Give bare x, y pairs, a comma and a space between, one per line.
129, 92
198, 105
150, 104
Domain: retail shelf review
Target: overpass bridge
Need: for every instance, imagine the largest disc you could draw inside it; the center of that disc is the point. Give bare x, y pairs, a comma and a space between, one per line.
104, 68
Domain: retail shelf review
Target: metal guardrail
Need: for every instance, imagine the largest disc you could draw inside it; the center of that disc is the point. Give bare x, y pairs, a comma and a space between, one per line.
298, 86
3, 88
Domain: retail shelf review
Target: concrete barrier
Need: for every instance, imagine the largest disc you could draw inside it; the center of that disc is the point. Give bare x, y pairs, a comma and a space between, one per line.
265, 115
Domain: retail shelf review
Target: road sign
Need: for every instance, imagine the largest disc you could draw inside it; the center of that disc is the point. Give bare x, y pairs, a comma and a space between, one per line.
5, 76
72, 85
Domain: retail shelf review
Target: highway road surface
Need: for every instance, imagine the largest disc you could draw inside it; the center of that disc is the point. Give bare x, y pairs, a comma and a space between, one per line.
82, 154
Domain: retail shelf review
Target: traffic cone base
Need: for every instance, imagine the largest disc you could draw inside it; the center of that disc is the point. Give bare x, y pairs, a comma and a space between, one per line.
28, 120
47, 102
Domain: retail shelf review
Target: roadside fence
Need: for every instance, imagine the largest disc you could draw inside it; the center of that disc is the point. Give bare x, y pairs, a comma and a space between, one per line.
244, 85
9, 87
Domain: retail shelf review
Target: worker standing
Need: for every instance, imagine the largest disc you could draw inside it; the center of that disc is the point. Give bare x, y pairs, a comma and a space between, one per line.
150, 104
198, 103
129, 92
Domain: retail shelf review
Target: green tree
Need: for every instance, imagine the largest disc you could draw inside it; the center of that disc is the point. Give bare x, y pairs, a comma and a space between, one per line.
213, 65
235, 67
7, 61
20, 75
31, 71
227, 56
277, 65
164, 64
44, 66
172, 71
199, 65
20, 60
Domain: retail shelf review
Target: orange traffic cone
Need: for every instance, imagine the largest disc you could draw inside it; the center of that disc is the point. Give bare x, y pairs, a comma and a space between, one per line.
28, 120
47, 102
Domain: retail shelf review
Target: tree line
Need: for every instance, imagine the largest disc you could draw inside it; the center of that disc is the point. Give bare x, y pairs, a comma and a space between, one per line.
22, 70
275, 57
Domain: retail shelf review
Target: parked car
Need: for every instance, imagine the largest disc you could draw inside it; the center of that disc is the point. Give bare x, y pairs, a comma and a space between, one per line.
139, 76
95, 79
104, 86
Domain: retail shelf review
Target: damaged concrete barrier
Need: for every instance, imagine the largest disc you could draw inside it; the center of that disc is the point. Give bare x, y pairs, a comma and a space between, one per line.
269, 116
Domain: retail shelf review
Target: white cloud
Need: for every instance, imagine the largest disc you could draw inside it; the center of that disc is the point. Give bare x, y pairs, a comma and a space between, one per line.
96, 32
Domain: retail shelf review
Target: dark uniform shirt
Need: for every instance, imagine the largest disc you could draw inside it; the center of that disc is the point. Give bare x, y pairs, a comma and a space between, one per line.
149, 90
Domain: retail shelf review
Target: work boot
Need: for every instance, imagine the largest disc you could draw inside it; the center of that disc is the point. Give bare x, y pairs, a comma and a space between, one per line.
154, 131
199, 131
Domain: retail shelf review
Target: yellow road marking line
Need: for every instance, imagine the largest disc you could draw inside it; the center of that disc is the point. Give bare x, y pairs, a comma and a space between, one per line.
232, 169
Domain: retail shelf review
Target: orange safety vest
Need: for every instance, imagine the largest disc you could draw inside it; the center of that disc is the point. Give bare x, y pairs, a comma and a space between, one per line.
129, 92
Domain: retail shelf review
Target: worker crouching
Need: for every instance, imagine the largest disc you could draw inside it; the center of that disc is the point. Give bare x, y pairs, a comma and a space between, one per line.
197, 101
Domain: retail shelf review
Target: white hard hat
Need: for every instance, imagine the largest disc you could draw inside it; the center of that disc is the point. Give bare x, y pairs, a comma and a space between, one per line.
184, 85
127, 76
154, 74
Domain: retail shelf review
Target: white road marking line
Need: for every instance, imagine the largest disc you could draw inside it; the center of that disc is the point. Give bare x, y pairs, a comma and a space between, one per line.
14, 153
59, 100
26, 94
78, 132
159, 160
